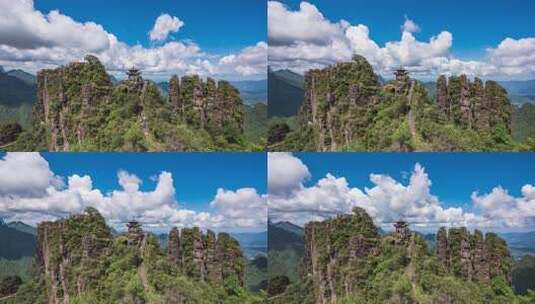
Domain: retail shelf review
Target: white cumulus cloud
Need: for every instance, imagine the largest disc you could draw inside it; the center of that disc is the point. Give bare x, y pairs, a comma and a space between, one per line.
410, 26
304, 39
164, 25
26, 28
389, 200
31, 40
31, 192
503, 208
249, 61
244, 207
286, 173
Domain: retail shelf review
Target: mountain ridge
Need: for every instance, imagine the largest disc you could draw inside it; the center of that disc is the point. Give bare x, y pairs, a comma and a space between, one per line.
347, 108
80, 261
346, 260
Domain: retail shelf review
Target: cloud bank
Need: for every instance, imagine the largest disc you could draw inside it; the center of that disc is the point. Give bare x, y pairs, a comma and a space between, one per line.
305, 39
31, 40
31, 192
389, 200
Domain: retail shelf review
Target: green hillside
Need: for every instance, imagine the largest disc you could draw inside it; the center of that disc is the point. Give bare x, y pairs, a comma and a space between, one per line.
346, 260
80, 261
346, 108
285, 93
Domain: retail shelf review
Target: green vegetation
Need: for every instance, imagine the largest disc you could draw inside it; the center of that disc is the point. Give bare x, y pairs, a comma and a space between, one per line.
20, 267
9, 133
9, 285
524, 274
256, 273
286, 249
255, 124
347, 261
80, 260
16, 244
523, 122
352, 111
80, 109
21, 114
285, 93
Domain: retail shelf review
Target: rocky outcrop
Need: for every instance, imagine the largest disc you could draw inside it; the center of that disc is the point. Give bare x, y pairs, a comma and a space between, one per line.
67, 97
68, 251
474, 257
332, 245
345, 107
442, 94
78, 106
442, 247
78, 256
333, 96
343, 254
474, 105
207, 104
175, 96
207, 257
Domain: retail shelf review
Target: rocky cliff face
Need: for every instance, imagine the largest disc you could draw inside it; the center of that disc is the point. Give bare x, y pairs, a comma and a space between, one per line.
333, 96
207, 104
66, 97
474, 105
334, 245
207, 257
79, 109
345, 255
346, 108
472, 256
68, 252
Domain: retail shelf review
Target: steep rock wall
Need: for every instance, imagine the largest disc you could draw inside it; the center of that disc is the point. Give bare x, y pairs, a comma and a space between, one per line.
207, 257
472, 256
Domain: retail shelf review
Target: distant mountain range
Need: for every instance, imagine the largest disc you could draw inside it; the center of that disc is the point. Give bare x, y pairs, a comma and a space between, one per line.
24, 76
285, 93
252, 243
252, 91
22, 227
16, 241
286, 246
16, 88
520, 243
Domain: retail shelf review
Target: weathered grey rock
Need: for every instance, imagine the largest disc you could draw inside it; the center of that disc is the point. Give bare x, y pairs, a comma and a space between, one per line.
205, 256
442, 94
443, 247
332, 96
474, 257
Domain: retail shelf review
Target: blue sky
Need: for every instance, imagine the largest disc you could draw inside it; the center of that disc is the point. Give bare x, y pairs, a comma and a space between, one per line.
219, 191
217, 26
488, 39
220, 39
476, 25
454, 175
489, 191
196, 176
